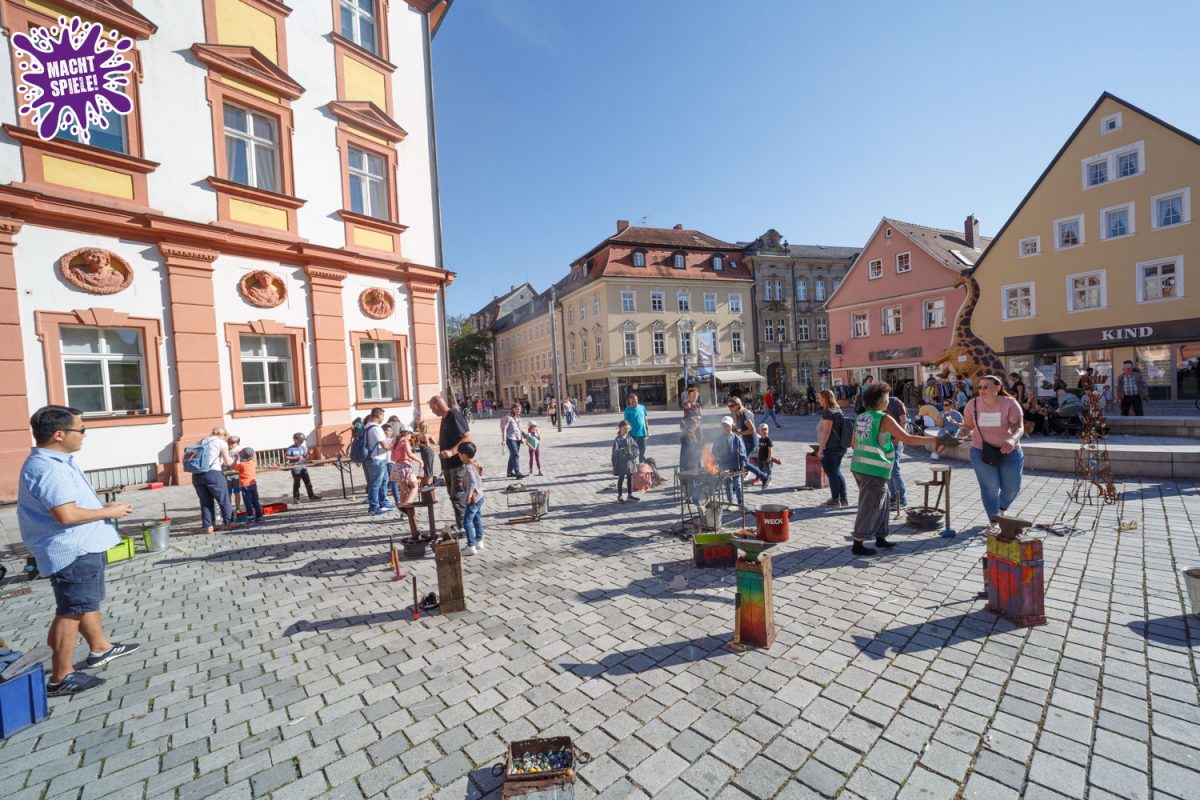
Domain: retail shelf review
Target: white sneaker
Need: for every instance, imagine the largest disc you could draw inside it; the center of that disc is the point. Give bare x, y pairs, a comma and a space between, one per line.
479, 546
468, 551
935, 457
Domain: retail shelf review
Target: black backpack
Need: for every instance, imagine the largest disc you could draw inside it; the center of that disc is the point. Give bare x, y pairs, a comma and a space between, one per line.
841, 434
358, 446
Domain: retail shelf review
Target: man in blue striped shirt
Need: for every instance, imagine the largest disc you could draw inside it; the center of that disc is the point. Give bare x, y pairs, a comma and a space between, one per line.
68, 529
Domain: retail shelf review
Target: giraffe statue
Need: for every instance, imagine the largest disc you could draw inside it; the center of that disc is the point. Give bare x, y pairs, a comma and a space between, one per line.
968, 354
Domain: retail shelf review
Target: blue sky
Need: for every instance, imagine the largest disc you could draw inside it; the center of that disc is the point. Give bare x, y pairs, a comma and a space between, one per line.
558, 117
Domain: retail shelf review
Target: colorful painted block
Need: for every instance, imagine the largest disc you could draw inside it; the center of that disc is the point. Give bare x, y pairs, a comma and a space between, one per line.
755, 624
713, 550
1016, 589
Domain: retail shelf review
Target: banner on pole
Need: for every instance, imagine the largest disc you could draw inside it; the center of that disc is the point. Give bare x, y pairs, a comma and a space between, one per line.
705, 347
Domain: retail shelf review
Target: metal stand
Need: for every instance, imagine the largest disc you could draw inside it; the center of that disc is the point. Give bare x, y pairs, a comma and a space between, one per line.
941, 480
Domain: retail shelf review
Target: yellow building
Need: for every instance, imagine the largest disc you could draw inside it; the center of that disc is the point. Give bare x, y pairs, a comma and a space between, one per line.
1090, 269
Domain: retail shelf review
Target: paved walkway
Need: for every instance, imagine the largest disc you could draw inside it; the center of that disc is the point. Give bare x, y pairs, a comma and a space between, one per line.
284, 661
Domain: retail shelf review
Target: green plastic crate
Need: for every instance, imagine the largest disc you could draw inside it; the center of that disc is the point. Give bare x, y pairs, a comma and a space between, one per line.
121, 552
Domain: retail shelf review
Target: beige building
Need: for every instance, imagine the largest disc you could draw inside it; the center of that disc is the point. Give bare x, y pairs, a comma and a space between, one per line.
633, 314
1090, 269
791, 326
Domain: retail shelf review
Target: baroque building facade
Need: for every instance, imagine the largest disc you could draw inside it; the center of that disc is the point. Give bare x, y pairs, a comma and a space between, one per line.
791, 326
255, 245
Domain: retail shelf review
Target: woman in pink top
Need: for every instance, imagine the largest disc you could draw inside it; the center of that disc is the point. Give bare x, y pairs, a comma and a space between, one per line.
402, 474
995, 418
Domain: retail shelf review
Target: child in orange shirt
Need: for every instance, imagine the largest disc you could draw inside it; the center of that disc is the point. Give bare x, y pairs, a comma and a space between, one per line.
247, 470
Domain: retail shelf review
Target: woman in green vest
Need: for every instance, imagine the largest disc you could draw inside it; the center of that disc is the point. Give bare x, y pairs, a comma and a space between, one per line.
871, 462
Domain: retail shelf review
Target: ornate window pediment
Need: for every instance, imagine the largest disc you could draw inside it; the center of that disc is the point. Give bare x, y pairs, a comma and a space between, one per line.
737, 325
657, 325
247, 64
629, 325
368, 116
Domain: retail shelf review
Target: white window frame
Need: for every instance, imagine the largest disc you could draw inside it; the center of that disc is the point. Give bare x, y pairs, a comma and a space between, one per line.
710, 302
822, 329
685, 343
1088, 164
802, 290
926, 308
819, 290
1113, 164
631, 343
1139, 273
735, 304
1095, 273
1004, 290
718, 264
628, 302
855, 319
1058, 239
802, 329
378, 361
360, 171
1105, 128
908, 256
679, 261
290, 382
885, 320
683, 301
596, 306
658, 302
1186, 193
780, 330
768, 331
736, 344
1104, 212
582, 311
658, 343
570, 315
639, 258
253, 144
104, 358
357, 14
875, 269
1037, 247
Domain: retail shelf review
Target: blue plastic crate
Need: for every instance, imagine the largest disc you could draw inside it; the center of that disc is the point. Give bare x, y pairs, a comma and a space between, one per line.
23, 701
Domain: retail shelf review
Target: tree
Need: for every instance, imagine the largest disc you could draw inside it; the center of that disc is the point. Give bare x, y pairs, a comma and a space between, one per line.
469, 355
457, 325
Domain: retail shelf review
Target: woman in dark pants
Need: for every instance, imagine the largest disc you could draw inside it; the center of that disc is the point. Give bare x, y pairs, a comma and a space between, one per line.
832, 448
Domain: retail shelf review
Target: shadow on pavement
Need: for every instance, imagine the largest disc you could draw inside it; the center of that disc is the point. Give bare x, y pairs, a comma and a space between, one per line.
1171, 631
933, 635
643, 659
306, 626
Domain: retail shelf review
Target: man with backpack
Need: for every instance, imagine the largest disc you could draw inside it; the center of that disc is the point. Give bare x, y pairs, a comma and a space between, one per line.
375, 454
205, 460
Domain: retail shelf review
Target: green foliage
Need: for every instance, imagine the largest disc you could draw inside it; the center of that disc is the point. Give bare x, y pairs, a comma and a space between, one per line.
469, 354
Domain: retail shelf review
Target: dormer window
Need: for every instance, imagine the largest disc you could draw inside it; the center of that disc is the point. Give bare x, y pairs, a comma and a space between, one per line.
639, 258
678, 261
732, 264
718, 264
887, 233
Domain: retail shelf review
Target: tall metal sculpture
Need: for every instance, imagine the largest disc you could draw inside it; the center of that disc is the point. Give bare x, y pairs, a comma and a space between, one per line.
1093, 472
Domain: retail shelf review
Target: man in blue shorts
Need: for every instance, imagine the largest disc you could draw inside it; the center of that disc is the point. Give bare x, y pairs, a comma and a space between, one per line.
68, 529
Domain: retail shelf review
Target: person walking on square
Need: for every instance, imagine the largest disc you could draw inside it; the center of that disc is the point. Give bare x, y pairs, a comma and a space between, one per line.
247, 475
453, 434
1131, 390
296, 456
533, 441
472, 498
68, 530
769, 404
625, 460
510, 438
766, 454
995, 424
569, 410
875, 434
210, 484
831, 448
744, 426
730, 453
639, 427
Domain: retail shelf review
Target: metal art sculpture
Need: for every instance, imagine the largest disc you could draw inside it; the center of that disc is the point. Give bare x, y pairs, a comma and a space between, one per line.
1093, 471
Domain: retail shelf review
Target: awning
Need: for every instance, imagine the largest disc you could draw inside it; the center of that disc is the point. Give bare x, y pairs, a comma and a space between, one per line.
740, 376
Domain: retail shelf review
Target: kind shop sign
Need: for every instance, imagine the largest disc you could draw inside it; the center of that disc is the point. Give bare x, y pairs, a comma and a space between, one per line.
72, 74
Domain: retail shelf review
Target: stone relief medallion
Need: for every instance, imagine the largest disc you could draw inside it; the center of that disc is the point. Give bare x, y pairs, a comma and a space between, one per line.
376, 303
263, 289
96, 270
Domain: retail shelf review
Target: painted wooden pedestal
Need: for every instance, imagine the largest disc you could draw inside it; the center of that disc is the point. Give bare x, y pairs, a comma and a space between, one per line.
1014, 578
754, 620
814, 476
448, 558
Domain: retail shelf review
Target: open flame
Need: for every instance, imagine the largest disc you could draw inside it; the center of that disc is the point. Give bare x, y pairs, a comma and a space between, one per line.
708, 462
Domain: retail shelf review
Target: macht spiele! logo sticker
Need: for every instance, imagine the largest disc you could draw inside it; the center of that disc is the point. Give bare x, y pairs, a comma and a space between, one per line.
72, 74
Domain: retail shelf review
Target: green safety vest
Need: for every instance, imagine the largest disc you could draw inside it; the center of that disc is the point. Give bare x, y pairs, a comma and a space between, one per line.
868, 457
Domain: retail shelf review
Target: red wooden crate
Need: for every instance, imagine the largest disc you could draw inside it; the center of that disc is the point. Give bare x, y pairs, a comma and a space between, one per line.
1016, 591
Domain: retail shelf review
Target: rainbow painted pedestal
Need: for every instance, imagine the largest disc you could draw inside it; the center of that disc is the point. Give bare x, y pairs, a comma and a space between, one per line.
1014, 579
754, 615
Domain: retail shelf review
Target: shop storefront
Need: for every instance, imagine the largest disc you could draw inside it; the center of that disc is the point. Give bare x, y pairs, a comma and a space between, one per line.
883, 367
651, 389
1167, 353
598, 389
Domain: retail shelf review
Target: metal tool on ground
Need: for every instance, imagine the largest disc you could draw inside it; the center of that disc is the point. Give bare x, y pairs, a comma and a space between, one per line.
416, 607
537, 499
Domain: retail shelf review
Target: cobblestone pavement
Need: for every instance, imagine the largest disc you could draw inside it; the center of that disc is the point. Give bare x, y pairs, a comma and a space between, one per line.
284, 661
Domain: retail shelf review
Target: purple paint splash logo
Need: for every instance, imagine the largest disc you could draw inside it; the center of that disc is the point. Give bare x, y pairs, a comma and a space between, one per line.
72, 75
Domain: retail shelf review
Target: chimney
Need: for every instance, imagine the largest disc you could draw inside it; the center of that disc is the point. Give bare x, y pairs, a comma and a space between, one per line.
678, 227
622, 224
971, 231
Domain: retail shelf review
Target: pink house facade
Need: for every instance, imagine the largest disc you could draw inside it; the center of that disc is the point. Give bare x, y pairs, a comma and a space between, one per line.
897, 305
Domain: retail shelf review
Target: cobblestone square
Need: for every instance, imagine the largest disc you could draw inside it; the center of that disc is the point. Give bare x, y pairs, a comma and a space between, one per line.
284, 661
